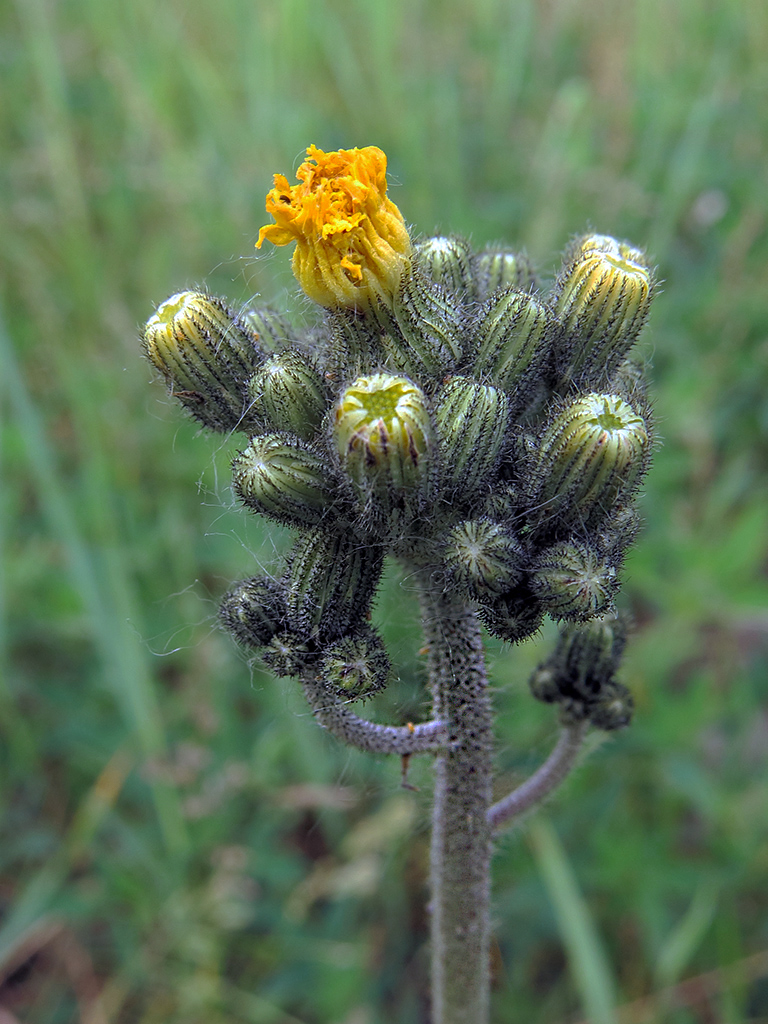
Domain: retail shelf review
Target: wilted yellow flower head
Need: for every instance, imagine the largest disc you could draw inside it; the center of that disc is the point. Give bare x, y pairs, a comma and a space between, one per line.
352, 245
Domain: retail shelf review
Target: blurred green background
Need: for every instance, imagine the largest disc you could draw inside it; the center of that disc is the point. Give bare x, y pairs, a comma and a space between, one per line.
179, 842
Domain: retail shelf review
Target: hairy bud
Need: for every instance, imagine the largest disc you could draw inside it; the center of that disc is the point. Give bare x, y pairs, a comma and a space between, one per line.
287, 654
613, 709
330, 583
602, 297
423, 333
206, 355
284, 479
356, 666
272, 331
254, 610
384, 436
513, 616
448, 263
355, 343
579, 674
290, 393
471, 424
591, 455
483, 557
512, 339
574, 582
495, 268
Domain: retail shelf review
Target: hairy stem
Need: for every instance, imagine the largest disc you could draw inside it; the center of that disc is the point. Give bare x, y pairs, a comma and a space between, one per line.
544, 780
461, 834
370, 736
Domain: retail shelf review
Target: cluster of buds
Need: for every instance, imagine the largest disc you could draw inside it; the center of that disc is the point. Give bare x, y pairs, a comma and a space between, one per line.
445, 410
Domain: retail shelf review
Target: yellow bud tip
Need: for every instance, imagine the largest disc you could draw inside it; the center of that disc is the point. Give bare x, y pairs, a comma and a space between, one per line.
352, 245
608, 276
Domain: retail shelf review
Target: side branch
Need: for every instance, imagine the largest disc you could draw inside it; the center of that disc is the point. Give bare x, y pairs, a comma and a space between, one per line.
544, 780
359, 732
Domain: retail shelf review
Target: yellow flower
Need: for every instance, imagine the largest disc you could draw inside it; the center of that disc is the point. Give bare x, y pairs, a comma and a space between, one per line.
352, 245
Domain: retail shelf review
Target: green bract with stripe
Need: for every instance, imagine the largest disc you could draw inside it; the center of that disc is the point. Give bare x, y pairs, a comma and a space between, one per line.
284, 479
592, 454
206, 354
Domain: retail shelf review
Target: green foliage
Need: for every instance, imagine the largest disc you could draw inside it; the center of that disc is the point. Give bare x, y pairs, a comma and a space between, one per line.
179, 815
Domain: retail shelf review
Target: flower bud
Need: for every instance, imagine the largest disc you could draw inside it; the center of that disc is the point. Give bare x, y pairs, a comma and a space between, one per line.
471, 424
512, 338
423, 335
356, 666
254, 610
447, 262
330, 583
273, 333
574, 582
483, 557
284, 479
602, 298
385, 440
630, 383
619, 531
496, 267
206, 355
287, 654
591, 455
613, 709
579, 674
513, 616
354, 344
290, 393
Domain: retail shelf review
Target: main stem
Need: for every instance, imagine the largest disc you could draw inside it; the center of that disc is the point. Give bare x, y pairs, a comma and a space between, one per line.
461, 834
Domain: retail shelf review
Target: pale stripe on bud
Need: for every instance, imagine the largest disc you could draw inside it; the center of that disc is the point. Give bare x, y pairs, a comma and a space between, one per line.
602, 297
206, 354
592, 454
283, 479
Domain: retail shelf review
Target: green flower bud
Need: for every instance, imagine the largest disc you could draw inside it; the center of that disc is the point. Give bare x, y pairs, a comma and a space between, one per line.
602, 297
592, 454
544, 684
206, 355
496, 267
254, 610
330, 583
284, 479
513, 616
471, 424
512, 339
354, 342
273, 333
483, 557
290, 393
613, 710
356, 666
574, 582
287, 654
385, 440
618, 532
448, 263
629, 381
590, 652
423, 334
579, 674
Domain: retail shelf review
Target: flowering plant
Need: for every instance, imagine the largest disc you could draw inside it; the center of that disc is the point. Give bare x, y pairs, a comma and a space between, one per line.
448, 412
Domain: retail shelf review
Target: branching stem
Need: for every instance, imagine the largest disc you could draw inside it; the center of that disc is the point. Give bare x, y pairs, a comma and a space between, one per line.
544, 780
366, 735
